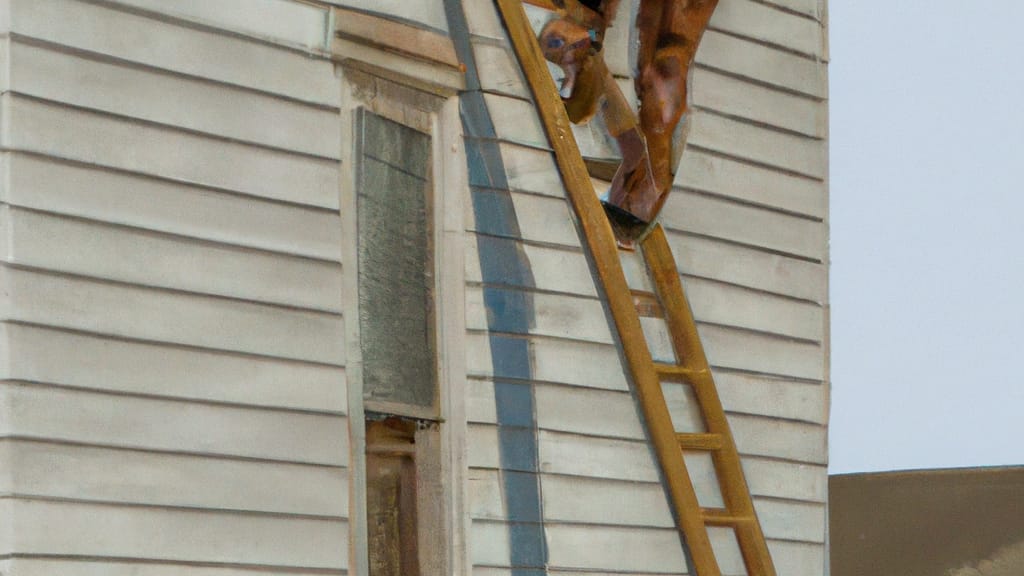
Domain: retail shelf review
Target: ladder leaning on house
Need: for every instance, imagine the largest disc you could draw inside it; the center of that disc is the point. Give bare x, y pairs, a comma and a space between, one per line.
670, 302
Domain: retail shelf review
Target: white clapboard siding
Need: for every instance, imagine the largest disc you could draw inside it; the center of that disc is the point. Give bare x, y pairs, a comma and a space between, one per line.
577, 500
555, 360
579, 363
615, 549
172, 426
112, 567
765, 23
798, 558
187, 50
156, 96
570, 499
478, 355
768, 106
554, 269
549, 220
553, 572
752, 184
617, 39
811, 8
163, 316
749, 267
718, 303
800, 154
531, 170
543, 220
152, 259
516, 120
791, 480
119, 198
778, 397
491, 571
489, 543
428, 13
761, 353
763, 64
744, 224
482, 446
483, 21
554, 315
797, 521
614, 414
117, 142
100, 531
486, 499
503, 74
86, 473
748, 225
587, 411
782, 439
575, 455
121, 366
174, 398
289, 22
480, 406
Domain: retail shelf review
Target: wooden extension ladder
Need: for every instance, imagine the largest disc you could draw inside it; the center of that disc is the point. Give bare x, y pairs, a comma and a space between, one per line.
692, 369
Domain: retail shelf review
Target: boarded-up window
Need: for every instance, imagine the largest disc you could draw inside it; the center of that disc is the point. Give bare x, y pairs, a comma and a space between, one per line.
395, 266
392, 527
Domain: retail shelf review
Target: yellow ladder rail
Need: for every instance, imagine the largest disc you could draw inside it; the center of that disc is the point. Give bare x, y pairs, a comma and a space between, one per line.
670, 301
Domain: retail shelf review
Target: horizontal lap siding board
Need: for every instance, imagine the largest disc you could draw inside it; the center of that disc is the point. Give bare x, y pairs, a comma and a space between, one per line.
153, 369
50, 73
172, 237
569, 337
280, 21
748, 226
744, 182
430, 13
91, 530
120, 143
117, 475
97, 193
146, 258
136, 39
747, 58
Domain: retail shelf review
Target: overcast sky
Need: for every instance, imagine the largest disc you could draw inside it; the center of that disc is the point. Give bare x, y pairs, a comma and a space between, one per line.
927, 228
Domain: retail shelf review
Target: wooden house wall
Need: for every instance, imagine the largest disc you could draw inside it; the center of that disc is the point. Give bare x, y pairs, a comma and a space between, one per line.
748, 224
173, 397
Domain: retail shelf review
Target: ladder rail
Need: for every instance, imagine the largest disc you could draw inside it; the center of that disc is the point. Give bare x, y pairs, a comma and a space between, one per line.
691, 520
690, 352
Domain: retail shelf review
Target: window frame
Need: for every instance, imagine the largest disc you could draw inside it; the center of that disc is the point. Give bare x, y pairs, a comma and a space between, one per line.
432, 108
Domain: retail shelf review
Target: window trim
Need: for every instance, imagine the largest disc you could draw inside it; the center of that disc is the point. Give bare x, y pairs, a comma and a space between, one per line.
434, 110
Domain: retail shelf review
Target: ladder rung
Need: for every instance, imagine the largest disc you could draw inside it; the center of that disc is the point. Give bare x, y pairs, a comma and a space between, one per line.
647, 304
674, 371
722, 517
695, 441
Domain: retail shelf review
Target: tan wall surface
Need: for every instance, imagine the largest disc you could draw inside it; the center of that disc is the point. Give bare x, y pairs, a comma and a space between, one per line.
966, 522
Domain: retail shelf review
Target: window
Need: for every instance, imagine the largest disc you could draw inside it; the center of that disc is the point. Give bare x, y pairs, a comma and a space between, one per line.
396, 300
402, 206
